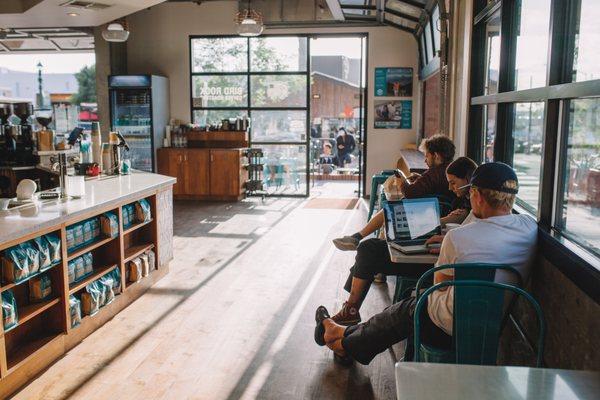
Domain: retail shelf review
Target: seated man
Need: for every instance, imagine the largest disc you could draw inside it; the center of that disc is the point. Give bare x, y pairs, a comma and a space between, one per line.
373, 256
439, 152
495, 236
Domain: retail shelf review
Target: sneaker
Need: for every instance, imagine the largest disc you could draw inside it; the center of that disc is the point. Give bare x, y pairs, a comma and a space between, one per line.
346, 243
347, 316
380, 278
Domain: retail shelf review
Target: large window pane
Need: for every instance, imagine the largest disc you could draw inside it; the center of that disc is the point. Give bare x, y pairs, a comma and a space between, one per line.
528, 131
278, 126
219, 55
587, 57
429, 42
435, 17
492, 53
489, 131
278, 90
284, 168
424, 57
215, 117
277, 54
581, 207
532, 43
220, 91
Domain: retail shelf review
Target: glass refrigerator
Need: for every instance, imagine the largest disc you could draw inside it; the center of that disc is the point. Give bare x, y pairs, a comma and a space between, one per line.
139, 110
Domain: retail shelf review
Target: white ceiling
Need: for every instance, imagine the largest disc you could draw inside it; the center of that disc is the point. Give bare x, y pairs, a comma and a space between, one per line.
49, 13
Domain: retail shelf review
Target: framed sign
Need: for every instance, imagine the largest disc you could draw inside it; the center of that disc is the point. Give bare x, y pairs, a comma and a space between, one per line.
393, 114
393, 82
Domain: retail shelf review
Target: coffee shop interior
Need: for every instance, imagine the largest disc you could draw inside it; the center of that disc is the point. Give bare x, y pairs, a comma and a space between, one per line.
180, 181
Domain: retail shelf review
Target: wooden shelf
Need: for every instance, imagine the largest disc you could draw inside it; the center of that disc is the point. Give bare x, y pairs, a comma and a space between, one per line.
136, 226
135, 251
98, 273
20, 355
82, 250
12, 285
29, 311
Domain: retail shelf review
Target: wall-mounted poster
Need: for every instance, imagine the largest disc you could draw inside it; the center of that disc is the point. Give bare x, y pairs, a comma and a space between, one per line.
393, 82
393, 114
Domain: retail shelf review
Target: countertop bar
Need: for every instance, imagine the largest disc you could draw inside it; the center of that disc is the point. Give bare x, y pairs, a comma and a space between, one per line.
99, 194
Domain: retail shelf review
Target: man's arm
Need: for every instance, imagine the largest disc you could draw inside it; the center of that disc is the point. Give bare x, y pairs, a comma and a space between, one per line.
448, 255
422, 186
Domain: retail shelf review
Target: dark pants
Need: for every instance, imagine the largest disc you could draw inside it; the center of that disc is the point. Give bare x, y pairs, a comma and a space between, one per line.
373, 257
364, 341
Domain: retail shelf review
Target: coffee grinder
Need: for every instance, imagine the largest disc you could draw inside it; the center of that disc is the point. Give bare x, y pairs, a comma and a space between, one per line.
5, 133
24, 140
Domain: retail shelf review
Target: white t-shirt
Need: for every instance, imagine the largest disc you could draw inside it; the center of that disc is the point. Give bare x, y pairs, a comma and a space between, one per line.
507, 239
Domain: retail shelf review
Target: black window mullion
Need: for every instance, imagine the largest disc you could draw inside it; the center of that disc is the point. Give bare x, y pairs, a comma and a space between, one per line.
477, 77
559, 70
249, 97
506, 78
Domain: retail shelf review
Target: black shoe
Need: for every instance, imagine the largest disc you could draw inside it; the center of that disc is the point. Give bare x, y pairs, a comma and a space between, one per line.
320, 315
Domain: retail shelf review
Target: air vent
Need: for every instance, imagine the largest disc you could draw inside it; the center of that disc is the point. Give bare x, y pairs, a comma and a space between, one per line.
86, 5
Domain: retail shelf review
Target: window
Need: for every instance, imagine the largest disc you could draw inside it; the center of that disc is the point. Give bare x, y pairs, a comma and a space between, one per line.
269, 54
532, 43
489, 130
587, 57
429, 41
492, 58
540, 112
581, 192
220, 91
266, 79
435, 17
423, 50
278, 90
219, 55
528, 134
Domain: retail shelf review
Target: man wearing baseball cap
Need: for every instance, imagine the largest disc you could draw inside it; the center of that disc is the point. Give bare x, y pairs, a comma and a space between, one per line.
495, 235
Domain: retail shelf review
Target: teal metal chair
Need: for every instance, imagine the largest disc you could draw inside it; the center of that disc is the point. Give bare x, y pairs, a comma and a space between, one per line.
376, 181
478, 321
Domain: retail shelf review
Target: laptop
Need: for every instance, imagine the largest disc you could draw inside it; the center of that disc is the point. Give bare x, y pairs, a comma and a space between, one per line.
410, 222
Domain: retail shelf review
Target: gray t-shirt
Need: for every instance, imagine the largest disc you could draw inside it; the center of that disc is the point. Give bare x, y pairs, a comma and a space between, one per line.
507, 239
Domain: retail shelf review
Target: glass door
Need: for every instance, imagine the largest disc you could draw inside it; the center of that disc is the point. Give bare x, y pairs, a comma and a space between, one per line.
131, 114
337, 114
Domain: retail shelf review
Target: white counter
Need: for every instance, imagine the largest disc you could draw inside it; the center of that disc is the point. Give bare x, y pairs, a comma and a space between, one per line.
99, 194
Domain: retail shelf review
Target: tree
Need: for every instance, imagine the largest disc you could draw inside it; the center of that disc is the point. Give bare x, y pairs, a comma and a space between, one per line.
86, 79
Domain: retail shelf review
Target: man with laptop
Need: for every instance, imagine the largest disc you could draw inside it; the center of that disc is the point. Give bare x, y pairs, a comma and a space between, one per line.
494, 236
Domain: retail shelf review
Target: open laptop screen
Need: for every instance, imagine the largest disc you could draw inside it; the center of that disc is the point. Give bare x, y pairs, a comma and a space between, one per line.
411, 219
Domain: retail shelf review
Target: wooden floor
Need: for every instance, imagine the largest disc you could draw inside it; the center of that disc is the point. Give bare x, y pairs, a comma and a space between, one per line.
234, 317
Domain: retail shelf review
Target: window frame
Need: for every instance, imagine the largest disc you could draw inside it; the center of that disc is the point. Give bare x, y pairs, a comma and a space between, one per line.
248, 108
580, 264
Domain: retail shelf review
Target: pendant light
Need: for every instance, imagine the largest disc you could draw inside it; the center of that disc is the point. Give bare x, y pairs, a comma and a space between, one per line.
249, 22
116, 32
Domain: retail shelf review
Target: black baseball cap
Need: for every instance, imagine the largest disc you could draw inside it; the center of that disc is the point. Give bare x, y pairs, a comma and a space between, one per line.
493, 176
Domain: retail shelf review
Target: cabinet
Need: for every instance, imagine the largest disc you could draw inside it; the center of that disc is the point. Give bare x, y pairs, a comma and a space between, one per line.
204, 174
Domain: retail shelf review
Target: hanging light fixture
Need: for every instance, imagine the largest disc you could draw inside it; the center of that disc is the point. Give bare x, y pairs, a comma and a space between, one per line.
116, 32
249, 22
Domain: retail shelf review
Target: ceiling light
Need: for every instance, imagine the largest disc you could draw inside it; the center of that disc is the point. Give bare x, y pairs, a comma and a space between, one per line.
72, 14
115, 32
249, 23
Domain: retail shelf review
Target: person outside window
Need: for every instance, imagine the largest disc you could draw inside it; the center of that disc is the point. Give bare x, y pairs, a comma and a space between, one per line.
345, 144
